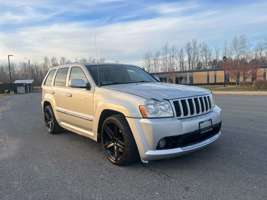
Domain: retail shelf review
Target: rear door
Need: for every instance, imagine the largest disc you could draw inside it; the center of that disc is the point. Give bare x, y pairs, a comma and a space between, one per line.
60, 91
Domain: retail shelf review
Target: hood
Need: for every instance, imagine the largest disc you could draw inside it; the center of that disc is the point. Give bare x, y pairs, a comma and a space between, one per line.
159, 90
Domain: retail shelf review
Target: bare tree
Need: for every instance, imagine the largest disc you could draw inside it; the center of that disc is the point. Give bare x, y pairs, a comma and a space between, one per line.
36, 71
172, 63
227, 51
165, 59
195, 54
62, 60
261, 50
82, 60
217, 56
181, 59
148, 62
46, 63
241, 59
189, 52
156, 62
239, 46
205, 54
54, 61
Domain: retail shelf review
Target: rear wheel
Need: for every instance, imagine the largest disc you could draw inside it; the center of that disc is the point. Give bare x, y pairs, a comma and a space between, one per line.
118, 142
50, 121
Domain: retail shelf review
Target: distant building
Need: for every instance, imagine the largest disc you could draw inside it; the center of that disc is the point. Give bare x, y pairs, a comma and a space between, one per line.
23, 86
211, 76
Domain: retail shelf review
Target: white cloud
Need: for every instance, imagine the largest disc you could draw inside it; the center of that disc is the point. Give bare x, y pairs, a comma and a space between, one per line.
29, 10
128, 41
173, 7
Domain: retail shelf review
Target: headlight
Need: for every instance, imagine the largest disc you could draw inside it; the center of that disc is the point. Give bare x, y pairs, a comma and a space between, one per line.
154, 109
212, 100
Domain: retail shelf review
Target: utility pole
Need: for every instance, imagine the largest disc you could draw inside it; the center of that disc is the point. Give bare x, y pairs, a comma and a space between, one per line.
224, 63
29, 70
9, 68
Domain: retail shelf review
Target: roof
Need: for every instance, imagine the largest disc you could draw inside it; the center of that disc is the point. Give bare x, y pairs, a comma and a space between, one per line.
107, 64
90, 65
30, 81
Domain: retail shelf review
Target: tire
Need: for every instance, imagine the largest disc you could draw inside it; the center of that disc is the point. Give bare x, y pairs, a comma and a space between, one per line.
118, 142
50, 121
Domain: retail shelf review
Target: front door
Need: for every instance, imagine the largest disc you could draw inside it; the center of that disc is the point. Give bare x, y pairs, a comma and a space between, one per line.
79, 102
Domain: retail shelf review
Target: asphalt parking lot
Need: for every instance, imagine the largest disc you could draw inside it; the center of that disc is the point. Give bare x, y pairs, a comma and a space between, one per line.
36, 165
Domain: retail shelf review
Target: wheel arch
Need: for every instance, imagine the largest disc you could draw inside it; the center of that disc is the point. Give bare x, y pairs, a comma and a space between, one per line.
46, 103
49, 102
104, 115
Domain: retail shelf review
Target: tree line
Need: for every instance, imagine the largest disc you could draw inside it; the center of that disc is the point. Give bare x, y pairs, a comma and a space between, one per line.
37, 71
197, 55
235, 56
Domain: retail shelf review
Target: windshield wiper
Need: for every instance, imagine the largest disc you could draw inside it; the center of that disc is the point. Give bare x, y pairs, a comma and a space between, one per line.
114, 83
140, 82
117, 83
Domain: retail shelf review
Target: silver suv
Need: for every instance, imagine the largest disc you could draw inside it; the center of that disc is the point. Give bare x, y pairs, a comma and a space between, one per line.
128, 111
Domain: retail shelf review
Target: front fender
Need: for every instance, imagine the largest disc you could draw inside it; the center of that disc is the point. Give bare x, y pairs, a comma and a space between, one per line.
127, 109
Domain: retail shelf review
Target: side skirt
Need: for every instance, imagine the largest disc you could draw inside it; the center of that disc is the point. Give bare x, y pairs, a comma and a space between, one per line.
77, 130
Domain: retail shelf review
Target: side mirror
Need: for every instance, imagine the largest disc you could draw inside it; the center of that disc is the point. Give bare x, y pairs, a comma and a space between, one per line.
79, 83
156, 77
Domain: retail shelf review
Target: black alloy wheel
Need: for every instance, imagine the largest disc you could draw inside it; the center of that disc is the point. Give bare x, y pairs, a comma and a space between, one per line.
118, 142
113, 141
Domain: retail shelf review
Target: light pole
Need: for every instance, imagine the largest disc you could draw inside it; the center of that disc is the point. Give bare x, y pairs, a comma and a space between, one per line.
224, 63
9, 68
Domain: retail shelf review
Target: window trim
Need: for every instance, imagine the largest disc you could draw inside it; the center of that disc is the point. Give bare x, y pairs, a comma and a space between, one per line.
85, 74
52, 81
100, 65
67, 77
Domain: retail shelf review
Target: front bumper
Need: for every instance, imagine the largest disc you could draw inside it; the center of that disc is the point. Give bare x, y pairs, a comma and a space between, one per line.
148, 132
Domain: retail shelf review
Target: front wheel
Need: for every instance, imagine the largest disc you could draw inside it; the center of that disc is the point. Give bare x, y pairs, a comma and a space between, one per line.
118, 142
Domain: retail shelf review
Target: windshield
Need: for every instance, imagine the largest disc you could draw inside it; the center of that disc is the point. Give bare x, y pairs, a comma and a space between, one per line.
118, 74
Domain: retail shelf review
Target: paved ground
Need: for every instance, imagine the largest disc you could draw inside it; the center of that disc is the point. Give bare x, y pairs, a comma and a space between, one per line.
241, 93
35, 165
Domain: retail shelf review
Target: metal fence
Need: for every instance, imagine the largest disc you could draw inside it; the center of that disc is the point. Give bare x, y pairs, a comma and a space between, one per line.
4, 87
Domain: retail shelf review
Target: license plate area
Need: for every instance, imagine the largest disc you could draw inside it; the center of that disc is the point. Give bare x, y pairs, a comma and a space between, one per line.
205, 126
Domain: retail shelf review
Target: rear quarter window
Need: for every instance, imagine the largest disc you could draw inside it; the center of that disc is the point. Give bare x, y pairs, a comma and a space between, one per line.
49, 78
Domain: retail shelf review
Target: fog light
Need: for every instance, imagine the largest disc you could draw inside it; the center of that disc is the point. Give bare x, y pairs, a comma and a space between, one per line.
162, 143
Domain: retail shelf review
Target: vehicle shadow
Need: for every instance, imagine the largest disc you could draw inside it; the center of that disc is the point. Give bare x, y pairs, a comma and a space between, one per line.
191, 160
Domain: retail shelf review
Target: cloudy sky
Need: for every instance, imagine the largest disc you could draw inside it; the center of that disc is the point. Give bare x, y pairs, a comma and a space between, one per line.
122, 30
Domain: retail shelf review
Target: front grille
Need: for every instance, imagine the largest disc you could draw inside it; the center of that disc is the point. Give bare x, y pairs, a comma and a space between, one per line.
192, 106
190, 138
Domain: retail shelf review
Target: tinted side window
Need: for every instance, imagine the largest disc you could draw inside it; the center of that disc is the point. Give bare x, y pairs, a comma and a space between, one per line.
49, 78
61, 76
77, 73
135, 76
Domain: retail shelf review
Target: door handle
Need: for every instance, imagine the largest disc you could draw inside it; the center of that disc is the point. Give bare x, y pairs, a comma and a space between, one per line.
68, 95
52, 92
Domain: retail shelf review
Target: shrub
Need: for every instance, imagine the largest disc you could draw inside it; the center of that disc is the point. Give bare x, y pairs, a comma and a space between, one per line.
246, 84
260, 85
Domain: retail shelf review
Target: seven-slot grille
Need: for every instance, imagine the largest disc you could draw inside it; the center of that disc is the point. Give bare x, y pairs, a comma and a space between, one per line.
192, 106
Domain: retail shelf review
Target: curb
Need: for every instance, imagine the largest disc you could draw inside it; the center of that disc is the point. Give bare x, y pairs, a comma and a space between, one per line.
245, 93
